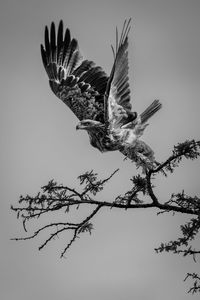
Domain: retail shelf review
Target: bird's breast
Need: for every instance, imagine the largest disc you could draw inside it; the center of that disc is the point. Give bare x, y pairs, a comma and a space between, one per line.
124, 136
103, 142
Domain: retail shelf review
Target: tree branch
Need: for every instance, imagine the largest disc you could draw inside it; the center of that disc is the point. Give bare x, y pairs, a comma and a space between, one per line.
56, 197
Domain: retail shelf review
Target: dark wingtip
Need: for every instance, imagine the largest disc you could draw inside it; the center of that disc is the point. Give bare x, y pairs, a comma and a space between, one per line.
61, 23
123, 38
53, 32
52, 25
60, 29
59, 38
46, 39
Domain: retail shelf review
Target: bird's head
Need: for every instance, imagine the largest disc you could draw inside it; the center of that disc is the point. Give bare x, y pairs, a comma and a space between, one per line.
90, 125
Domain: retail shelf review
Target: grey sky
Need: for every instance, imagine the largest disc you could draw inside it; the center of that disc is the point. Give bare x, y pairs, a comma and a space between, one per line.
39, 142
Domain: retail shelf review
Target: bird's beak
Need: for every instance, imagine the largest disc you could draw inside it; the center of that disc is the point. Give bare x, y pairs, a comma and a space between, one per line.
79, 126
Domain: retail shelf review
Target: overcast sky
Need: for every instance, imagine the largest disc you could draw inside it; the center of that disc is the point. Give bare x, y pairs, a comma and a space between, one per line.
39, 142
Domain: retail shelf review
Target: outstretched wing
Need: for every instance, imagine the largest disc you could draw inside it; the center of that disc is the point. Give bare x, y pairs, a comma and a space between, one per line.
77, 82
117, 96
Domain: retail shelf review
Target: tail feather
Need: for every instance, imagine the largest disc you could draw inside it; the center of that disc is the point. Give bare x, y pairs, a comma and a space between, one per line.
150, 111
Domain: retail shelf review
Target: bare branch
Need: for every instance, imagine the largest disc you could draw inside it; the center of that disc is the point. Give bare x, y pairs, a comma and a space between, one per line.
79, 229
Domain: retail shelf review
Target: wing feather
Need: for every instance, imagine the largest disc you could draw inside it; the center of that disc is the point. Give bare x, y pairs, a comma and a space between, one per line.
66, 44
75, 81
44, 56
53, 42
59, 41
117, 96
85, 66
47, 45
96, 77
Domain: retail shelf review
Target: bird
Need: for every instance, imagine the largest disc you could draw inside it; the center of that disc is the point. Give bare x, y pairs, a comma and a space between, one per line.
102, 103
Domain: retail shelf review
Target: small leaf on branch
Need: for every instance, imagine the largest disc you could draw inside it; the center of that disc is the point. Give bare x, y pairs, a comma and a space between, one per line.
140, 183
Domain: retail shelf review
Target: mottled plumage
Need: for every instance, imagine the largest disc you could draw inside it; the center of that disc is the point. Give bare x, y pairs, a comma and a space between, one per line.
100, 102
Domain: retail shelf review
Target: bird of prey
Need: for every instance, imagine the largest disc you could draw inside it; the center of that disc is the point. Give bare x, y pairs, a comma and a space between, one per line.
100, 102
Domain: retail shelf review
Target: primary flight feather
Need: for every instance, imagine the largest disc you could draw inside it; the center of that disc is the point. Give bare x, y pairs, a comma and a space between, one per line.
100, 102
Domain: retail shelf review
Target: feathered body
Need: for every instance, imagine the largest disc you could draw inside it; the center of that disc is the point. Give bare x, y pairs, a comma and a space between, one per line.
100, 102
